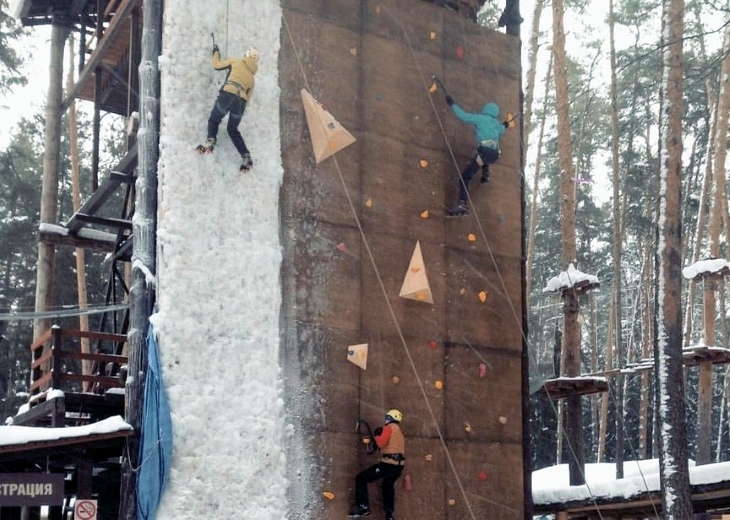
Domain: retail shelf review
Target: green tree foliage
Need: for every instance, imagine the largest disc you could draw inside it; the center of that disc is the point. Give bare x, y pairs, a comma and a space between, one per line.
10, 60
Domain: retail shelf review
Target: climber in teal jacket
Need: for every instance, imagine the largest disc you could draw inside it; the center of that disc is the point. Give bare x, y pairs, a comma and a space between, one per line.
488, 131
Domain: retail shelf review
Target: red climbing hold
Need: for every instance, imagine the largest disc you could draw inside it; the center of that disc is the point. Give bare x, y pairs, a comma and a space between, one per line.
409, 486
460, 52
482, 370
433, 344
482, 476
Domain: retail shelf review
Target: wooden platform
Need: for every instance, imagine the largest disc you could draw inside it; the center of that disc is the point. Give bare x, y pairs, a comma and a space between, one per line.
562, 387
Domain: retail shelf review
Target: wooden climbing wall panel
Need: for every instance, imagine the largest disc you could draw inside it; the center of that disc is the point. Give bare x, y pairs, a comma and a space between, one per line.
349, 228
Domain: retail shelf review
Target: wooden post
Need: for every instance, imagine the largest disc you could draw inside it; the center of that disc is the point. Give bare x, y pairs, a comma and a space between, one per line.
704, 395
76, 202
49, 188
142, 294
574, 409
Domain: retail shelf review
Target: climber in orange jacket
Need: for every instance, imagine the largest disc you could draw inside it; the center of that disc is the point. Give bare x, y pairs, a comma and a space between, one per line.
392, 445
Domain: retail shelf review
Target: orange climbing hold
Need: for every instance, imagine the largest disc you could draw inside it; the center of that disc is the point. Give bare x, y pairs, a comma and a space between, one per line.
482, 296
423, 163
425, 214
471, 237
328, 495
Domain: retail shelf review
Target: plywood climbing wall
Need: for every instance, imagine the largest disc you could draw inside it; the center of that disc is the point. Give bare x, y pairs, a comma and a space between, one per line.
350, 224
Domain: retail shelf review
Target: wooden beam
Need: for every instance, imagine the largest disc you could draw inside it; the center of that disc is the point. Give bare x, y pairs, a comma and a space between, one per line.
98, 198
103, 46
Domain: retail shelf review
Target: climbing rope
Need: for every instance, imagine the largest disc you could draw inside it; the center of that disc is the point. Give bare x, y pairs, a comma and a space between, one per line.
380, 282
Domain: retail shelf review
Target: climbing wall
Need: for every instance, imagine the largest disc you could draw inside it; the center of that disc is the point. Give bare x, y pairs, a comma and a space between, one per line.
349, 228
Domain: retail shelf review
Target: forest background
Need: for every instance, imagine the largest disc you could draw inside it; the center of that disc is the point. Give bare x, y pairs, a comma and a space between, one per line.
616, 210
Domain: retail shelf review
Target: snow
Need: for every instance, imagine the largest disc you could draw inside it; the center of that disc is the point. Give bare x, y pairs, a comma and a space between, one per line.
569, 278
13, 435
551, 485
88, 233
714, 265
218, 265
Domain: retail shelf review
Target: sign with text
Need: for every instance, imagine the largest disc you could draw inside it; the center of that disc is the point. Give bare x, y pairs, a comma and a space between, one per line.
31, 489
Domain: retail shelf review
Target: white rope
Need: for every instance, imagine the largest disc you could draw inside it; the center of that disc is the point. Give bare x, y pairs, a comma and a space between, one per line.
62, 313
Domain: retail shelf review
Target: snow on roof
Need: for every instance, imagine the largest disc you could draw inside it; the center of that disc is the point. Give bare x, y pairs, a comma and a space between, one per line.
551, 485
13, 435
713, 265
569, 278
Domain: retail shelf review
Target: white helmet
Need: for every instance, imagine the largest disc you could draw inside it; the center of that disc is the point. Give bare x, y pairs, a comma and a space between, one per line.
253, 54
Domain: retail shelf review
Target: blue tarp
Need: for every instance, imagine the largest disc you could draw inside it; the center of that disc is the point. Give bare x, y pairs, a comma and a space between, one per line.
155, 451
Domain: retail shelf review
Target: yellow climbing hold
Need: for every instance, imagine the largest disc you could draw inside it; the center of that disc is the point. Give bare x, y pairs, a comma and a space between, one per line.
471, 237
482, 296
433, 35
369, 203
462, 291
433, 87
423, 163
328, 495
467, 427
452, 502
353, 51
425, 214
428, 457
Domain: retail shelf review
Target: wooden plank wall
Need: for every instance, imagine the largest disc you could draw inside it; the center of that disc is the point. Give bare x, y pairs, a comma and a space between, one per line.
370, 64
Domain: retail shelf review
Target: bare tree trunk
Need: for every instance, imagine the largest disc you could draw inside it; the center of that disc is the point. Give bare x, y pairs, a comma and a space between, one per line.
646, 343
533, 202
674, 473
616, 251
532, 69
608, 368
571, 304
49, 189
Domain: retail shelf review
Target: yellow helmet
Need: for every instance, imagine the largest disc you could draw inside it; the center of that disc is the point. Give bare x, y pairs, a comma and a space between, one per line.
393, 415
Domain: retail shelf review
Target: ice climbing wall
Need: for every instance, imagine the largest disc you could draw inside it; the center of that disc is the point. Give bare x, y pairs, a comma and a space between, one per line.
218, 272
349, 226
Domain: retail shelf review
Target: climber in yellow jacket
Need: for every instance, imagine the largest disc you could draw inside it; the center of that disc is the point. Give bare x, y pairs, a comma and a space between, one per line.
232, 99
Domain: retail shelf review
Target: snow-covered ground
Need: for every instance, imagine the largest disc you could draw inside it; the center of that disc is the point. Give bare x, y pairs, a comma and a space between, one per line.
219, 258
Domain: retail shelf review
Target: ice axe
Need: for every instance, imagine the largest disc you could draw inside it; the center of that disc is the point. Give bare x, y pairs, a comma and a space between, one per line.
370, 443
511, 119
438, 82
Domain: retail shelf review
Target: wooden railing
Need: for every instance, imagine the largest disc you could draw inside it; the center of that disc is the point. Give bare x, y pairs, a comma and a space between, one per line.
48, 355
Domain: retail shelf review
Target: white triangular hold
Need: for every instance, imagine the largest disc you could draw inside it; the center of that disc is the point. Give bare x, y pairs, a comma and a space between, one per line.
358, 355
415, 285
327, 134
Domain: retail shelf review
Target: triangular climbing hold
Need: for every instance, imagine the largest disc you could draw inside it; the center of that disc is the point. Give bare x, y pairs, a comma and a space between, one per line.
358, 355
415, 285
327, 134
